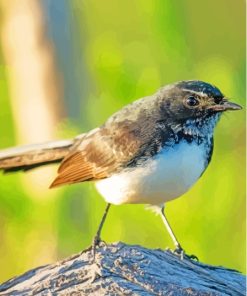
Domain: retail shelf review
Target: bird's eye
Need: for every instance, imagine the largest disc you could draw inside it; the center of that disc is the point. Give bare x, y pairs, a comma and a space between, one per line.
218, 100
192, 101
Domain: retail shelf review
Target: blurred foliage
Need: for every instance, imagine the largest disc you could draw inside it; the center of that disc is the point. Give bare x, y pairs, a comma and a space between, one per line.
128, 49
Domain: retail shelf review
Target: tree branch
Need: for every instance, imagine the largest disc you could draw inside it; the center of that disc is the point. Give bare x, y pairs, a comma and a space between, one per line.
120, 269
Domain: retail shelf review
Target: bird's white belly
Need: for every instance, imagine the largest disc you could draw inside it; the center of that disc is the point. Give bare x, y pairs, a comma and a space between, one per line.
166, 176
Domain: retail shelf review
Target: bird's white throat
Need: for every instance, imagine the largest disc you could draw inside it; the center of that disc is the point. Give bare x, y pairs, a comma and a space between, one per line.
164, 177
198, 126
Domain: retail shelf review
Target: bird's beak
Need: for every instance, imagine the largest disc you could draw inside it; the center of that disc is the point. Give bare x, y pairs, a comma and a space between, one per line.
225, 105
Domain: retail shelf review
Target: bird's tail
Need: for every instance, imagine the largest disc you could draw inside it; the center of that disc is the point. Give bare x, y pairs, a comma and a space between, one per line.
31, 156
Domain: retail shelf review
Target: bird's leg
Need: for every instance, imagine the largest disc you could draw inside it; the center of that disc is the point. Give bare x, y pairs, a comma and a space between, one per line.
178, 249
97, 238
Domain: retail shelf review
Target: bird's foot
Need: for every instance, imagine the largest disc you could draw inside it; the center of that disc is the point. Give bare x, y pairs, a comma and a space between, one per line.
180, 252
97, 242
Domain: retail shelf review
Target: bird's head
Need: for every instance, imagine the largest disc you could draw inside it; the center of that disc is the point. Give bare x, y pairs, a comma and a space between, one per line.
194, 101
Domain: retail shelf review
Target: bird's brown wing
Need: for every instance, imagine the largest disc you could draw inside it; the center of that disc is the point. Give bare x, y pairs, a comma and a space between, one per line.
98, 155
126, 136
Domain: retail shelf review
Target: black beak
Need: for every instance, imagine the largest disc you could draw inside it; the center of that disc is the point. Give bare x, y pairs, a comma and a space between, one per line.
225, 105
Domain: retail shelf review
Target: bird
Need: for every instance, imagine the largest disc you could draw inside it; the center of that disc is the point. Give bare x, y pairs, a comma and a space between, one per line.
151, 151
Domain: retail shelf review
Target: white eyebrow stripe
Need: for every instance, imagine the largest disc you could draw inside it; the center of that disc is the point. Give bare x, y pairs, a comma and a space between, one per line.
201, 93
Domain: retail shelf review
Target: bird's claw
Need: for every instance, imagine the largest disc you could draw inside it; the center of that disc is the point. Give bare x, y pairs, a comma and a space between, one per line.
97, 242
192, 257
180, 252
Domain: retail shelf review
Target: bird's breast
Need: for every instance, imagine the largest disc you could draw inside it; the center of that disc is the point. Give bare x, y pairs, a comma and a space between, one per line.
165, 176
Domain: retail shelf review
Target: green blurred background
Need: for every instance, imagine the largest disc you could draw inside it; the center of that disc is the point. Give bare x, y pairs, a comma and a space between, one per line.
65, 66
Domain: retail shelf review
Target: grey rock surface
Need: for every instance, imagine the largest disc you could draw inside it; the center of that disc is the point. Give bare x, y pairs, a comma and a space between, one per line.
120, 269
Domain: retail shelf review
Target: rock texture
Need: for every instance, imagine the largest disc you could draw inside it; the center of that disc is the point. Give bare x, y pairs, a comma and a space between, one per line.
120, 269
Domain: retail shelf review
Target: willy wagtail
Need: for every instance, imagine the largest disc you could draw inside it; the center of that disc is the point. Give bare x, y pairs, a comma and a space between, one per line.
149, 152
